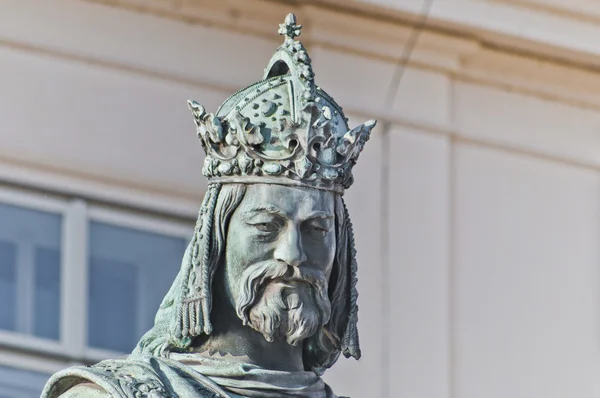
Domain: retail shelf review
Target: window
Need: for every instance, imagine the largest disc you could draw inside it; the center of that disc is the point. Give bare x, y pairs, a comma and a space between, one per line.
79, 282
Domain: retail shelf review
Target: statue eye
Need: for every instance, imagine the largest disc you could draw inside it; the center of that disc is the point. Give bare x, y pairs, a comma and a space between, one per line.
315, 230
266, 226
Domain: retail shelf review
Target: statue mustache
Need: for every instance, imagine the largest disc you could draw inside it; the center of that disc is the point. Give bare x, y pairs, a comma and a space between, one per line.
257, 275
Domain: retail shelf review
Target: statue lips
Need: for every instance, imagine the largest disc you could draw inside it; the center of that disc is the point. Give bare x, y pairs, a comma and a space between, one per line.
293, 301
293, 292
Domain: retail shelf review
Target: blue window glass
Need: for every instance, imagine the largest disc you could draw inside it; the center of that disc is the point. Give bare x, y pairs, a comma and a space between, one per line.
114, 297
130, 271
30, 259
47, 297
8, 285
17, 383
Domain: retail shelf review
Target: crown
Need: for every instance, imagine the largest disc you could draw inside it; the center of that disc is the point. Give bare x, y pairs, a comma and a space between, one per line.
283, 129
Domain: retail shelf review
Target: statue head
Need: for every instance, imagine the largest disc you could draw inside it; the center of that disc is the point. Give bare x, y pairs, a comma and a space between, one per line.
273, 224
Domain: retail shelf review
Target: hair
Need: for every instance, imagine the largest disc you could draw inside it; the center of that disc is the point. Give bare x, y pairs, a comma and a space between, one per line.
185, 310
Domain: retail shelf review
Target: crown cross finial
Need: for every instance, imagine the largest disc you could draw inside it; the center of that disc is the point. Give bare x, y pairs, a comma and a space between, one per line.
289, 29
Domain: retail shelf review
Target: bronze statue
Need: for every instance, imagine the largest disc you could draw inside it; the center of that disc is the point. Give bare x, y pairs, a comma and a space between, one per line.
265, 300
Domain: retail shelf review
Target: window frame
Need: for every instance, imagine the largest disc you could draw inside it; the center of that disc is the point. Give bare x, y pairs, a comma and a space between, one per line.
55, 205
33, 353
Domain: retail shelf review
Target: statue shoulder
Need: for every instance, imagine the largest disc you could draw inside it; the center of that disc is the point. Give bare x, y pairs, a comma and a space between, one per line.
86, 390
116, 378
136, 376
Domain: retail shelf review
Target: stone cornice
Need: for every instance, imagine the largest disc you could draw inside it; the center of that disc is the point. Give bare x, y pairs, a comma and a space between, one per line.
562, 31
579, 10
326, 23
466, 51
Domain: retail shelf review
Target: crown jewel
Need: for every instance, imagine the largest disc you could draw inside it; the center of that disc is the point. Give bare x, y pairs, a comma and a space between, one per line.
283, 129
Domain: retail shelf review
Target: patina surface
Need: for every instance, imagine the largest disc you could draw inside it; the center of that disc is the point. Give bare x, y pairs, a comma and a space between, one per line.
265, 300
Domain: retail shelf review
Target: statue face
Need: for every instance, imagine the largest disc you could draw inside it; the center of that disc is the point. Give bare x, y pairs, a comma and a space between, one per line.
279, 253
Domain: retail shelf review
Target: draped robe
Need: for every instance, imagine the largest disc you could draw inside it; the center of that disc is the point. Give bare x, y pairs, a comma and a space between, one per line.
186, 375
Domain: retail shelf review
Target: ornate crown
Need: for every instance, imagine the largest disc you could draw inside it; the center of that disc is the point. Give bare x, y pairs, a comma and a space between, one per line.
283, 129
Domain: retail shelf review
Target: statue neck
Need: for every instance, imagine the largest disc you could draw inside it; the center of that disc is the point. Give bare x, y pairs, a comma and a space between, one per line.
233, 341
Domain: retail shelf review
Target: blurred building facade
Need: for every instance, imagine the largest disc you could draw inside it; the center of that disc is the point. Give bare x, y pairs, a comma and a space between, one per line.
476, 204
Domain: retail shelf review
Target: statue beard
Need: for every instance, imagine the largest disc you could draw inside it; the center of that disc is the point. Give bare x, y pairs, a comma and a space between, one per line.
280, 301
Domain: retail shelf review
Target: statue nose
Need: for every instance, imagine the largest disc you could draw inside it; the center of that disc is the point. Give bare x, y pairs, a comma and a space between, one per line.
289, 248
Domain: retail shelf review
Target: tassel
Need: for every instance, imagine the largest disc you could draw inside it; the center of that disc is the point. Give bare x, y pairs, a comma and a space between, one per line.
193, 316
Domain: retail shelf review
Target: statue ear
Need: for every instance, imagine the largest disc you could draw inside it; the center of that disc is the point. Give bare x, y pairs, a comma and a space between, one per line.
350, 341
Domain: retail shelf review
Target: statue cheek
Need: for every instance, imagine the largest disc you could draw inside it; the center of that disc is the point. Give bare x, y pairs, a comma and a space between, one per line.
251, 248
332, 249
323, 255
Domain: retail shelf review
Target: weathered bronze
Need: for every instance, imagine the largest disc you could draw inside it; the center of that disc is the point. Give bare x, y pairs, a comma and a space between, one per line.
265, 300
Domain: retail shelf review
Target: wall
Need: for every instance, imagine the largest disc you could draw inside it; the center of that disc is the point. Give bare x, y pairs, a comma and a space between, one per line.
476, 203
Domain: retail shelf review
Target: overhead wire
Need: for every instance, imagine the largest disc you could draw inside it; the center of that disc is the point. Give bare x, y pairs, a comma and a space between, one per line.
407, 51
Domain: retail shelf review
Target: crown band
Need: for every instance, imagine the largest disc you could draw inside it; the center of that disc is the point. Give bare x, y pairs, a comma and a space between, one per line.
278, 181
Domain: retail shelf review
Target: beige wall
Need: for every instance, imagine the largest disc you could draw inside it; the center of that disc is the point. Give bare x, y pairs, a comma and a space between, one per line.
476, 204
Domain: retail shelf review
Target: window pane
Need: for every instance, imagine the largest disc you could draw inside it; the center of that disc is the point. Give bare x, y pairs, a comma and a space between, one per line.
47, 287
130, 271
30, 271
16, 383
114, 297
8, 285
